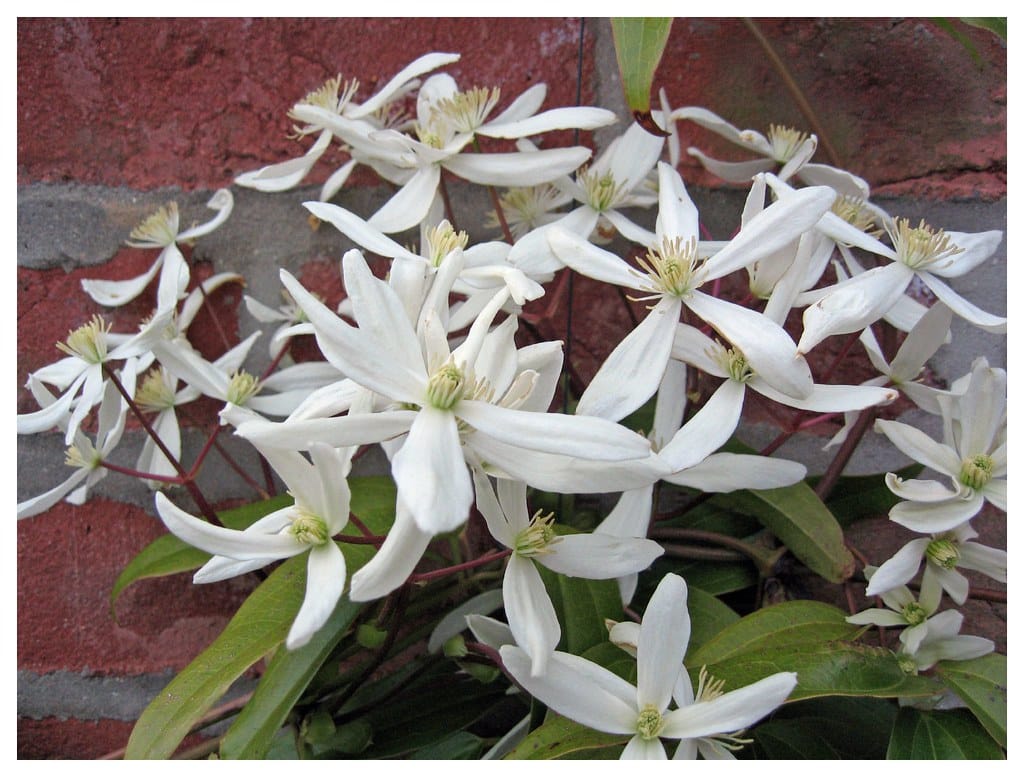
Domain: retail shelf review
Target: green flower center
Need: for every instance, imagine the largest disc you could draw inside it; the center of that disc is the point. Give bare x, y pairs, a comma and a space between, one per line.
906, 663
82, 457
536, 539
442, 240
156, 393
914, 614
976, 471
674, 268
160, 228
601, 190
446, 386
920, 246
309, 529
649, 724
88, 342
735, 363
785, 142
945, 553
242, 387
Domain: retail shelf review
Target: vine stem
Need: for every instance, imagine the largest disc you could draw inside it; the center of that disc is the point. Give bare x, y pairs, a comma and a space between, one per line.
477, 562
187, 481
794, 90
835, 468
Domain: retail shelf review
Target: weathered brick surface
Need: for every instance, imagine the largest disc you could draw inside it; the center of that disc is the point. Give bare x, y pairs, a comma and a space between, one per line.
132, 107
68, 560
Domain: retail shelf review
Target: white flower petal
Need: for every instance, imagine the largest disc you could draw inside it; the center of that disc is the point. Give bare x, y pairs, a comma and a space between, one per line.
578, 689
766, 346
731, 711
410, 204
664, 636
963, 308
285, 175
524, 168
642, 356
582, 436
359, 231
829, 398
225, 542
531, 616
394, 562
576, 252
677, 215
919, 490
325, 580
936, 517
431, 474
920, 447
707, 430
600, 556
638, 749
721, 473
736, 172
583, 117
900, 569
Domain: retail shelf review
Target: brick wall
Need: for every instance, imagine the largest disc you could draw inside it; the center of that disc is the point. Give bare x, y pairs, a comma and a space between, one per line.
116, 117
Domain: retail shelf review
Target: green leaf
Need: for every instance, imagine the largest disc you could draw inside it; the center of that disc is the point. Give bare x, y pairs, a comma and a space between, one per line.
459, 746
788, 623
639, 46
981, 684
281, 686
167, 555
373, 501
560, 737
435, 706
259, 627
994, 24
947, 734
820, 729
582, 607
825, 669
708, 616
803, 523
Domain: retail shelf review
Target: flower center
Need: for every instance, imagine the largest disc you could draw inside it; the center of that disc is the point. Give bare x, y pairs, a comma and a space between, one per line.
601, 190
673, 267
84, 456
333, 95
708, 687
853, 211
442, 240
242, 386
88, 342
976, 471
160, 228
309, 529
649, 723
914, 614
536, 539
446, 386
524, 206
944, 552
156, 393
735, 363
906, 663
920, 246
466, 111
785, 141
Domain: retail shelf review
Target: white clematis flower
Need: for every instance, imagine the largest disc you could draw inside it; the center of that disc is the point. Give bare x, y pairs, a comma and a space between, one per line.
672, 274
599, 699
320, 511
972, 455
531, 615
161, 230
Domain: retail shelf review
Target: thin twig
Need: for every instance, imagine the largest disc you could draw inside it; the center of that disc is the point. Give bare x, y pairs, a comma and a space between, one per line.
794, 90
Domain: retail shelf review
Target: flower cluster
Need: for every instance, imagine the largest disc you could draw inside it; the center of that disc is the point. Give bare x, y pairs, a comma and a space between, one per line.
422, 361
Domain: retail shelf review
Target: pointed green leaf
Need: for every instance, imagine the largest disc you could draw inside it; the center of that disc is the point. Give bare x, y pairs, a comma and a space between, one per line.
802, 522
708, 616
781, 625
820, 729
560, 737
639, 45
259, 627
290, 672
994, 24
947, 734
824, 669
167, 555
981, 684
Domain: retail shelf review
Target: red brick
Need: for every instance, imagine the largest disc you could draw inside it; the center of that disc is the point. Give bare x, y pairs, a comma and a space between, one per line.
52, 738
68, 560
904, 103
193, 103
